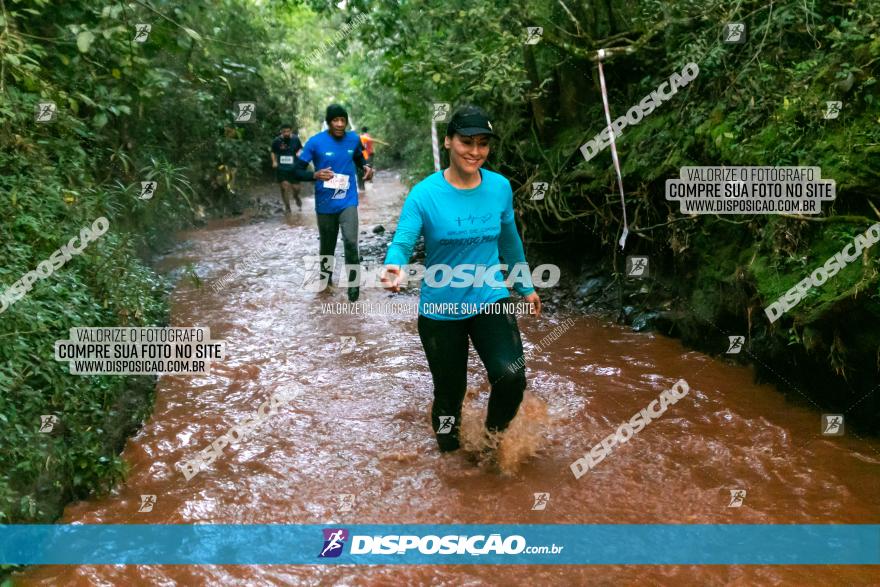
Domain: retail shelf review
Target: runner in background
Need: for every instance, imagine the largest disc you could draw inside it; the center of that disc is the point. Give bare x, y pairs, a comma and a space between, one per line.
336, 153
466, 215
285, 148
367, 144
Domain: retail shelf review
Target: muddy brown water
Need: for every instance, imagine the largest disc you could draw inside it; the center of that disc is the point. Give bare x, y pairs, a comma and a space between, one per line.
359, 425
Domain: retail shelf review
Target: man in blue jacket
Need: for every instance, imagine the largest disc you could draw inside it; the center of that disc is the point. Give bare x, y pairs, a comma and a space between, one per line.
337, 154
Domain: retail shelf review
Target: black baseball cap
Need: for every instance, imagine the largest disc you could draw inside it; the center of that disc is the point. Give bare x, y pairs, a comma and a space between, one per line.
335, 111
469, 121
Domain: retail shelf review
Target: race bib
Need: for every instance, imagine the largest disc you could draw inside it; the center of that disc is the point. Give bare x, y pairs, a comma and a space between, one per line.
339, 182
286, 160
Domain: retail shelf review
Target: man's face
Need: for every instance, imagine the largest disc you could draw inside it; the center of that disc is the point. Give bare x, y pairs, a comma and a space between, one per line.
337, 126
286, 132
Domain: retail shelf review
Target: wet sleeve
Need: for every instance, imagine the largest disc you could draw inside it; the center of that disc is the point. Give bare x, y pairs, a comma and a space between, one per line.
307, 153
358, 157
511, 248
301, 164
409, 228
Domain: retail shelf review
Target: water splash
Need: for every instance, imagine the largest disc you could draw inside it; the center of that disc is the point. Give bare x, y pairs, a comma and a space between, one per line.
509, 449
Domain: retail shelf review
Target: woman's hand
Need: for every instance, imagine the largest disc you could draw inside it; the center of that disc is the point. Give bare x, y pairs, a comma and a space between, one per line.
535, 301
391, 277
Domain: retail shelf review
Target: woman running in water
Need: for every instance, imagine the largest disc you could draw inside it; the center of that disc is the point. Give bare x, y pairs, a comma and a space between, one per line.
466, 216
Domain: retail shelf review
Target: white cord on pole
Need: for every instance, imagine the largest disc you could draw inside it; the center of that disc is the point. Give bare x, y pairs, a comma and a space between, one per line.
622, 241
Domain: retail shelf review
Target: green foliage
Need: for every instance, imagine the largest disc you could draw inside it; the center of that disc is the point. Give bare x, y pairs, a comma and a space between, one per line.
126, 112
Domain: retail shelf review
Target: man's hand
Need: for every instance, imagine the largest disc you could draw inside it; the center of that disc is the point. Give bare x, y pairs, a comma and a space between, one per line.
391, 277
368, 172
535, 301
274, 163
324, 174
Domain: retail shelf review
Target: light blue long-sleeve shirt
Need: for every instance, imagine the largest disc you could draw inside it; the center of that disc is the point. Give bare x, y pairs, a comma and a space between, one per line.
461, 227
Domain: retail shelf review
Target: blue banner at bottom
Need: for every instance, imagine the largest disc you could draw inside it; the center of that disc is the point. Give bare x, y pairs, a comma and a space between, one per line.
607, 544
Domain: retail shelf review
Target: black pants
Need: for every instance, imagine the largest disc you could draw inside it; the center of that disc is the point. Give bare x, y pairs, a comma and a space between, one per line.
497, 340
328, 230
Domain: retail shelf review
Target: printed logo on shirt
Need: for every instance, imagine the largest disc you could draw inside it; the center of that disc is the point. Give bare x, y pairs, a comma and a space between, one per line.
473, 240
471, 219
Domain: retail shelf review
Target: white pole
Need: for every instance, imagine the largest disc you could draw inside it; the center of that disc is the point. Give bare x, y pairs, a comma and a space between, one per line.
435, 145
614, 158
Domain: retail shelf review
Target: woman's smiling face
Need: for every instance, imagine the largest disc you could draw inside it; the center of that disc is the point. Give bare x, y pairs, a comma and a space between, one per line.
467, 153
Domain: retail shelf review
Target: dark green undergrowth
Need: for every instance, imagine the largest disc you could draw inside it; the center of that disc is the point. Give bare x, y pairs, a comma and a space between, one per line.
126, 112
